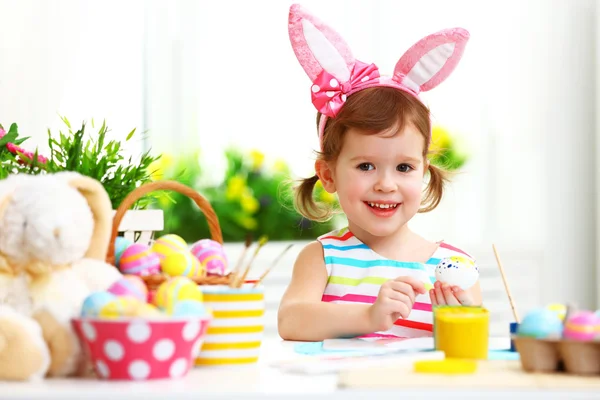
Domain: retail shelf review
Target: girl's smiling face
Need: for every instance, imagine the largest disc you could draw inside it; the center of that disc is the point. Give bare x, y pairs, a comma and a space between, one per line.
378, 179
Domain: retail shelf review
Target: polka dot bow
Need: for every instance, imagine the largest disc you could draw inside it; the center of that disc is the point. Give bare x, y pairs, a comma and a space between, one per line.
328, 94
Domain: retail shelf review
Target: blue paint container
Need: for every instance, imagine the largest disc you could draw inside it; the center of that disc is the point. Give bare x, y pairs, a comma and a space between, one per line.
513, 331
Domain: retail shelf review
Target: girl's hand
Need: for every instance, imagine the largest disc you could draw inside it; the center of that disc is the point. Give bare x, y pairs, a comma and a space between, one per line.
395, 299
444, 294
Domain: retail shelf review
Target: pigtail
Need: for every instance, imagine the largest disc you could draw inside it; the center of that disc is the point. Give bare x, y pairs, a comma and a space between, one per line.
435, 188
305, 203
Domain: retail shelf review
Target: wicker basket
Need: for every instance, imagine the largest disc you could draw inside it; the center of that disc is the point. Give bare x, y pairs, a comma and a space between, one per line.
153, 281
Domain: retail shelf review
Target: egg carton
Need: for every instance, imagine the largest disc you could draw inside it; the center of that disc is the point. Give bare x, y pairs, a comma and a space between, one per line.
559, 355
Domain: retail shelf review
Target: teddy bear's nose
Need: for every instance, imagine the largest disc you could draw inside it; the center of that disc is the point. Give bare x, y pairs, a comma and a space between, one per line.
56, 233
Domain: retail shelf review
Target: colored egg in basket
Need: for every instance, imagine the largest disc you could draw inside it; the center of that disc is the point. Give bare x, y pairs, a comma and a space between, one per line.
182, 263
130, 285
168, 244
121, 244
94, 302
190, 308
128, 307
138, 259
176, 289
212, 255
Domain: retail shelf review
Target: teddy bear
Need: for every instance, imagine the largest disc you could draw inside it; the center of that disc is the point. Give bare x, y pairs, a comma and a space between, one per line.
54, 235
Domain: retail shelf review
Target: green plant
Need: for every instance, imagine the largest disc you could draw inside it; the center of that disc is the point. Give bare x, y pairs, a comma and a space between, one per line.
13, 158
251, 198
90, 154
446, 150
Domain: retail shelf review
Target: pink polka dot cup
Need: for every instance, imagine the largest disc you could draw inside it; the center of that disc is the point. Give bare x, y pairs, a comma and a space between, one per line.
140, 349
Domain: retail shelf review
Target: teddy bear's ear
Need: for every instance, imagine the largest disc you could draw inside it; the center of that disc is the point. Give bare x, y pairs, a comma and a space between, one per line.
101, 207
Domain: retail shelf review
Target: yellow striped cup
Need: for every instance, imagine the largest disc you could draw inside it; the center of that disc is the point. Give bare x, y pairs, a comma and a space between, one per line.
235, 333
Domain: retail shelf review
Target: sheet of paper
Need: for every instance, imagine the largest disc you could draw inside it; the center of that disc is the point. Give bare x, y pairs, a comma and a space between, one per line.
335, 363
395, 344
379, 345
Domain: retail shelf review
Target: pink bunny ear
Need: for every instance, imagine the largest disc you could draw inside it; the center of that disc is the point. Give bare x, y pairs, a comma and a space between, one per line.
318, 47
431, 60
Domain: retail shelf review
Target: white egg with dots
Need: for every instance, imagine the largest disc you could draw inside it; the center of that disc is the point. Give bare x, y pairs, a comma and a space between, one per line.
457, 271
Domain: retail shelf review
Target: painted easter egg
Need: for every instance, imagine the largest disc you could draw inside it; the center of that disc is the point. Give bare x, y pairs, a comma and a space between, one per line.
559, 309
541, 323
94, 302
190, 308
130, 285
457, 271
149, 311
168, 244
212, 255
174, 290
582, 325
121, 244
121, 307
182, 263
138, 259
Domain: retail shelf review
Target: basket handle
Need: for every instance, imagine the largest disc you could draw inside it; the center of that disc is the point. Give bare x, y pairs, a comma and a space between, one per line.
137, 193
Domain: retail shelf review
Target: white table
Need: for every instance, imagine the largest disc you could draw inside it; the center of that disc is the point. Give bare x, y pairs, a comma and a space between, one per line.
260, 381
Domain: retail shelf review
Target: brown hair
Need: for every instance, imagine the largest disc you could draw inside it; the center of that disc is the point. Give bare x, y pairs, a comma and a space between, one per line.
371, 111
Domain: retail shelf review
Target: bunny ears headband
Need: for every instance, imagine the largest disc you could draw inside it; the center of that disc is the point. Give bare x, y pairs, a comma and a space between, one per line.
336, 74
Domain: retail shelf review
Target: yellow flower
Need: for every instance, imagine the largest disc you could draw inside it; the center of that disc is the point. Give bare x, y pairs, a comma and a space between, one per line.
159, 167
248, 202
280, 166
322, 194
440, 139
235, 187
164, 201
248, 222
258, 159
326, 197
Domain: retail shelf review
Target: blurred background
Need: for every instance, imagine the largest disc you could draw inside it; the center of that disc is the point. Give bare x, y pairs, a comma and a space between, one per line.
219, 100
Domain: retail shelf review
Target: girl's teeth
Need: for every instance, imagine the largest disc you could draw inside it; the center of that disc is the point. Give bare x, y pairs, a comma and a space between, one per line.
383, 205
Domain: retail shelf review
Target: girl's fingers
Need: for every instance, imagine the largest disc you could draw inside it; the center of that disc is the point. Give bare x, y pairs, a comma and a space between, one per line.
438, 294
433, 297
405, 289
416, 284
449, 297
462, 296
398, 302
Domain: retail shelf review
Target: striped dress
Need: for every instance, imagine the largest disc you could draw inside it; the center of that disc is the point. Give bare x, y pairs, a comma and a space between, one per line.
355, 274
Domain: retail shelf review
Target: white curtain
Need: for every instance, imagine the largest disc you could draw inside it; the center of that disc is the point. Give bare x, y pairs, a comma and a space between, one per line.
79, 59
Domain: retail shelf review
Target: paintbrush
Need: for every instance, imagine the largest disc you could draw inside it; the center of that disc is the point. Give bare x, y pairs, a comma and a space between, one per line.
510, 299
273, 264
261, 242
236, 270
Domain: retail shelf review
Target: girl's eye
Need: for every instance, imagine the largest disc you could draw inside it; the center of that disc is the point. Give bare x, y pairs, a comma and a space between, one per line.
404, 168
365, 166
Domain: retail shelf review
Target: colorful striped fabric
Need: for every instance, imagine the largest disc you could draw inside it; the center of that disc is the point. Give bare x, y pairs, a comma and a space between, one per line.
356, 273
235, 334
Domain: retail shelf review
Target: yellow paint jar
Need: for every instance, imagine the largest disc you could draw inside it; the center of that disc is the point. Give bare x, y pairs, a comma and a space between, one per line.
461, 332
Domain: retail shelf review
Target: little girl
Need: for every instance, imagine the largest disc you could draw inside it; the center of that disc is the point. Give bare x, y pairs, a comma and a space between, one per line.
374, 277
